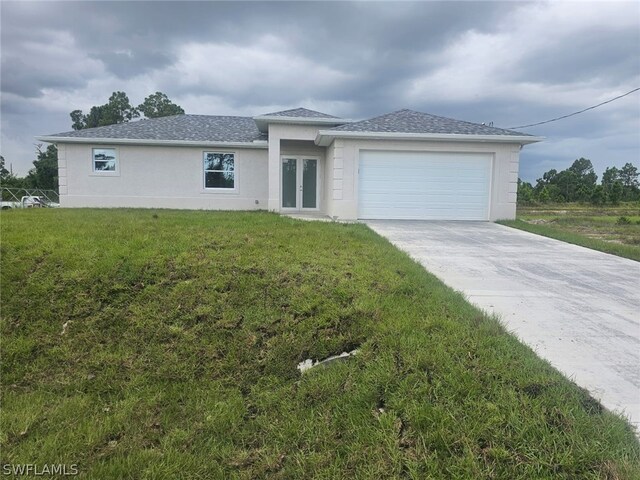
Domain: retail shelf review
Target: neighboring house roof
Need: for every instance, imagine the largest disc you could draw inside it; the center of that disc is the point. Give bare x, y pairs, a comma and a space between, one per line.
299, 113
409, 121
193, 128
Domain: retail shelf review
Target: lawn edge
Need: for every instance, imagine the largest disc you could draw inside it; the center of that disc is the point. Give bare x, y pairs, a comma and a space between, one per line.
572, 238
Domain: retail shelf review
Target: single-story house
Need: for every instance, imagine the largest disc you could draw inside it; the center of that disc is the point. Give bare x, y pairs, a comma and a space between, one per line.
402, 165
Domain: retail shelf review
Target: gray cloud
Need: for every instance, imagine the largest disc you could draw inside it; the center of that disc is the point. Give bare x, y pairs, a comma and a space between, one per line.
604, 54
41, 59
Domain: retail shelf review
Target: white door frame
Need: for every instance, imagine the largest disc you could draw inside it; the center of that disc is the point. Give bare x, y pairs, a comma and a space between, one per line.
299, 184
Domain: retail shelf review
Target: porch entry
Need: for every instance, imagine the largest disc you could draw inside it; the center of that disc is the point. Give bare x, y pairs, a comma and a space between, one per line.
299, 183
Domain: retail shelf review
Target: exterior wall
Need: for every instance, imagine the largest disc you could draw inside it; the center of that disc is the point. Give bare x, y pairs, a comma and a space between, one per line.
159, 177
329, 173
291, 140
62, 172
172, 177
345, 158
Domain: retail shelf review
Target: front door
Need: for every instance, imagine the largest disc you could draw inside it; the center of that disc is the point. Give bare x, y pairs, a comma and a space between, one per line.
299, 183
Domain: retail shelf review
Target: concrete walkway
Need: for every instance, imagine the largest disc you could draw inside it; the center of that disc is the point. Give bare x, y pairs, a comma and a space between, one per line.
577, 308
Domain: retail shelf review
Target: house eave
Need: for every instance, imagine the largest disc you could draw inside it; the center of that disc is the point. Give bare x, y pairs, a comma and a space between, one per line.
261, 144
263, 121
325, 137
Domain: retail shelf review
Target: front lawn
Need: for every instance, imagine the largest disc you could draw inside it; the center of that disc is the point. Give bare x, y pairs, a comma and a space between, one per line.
142, 344
610, 229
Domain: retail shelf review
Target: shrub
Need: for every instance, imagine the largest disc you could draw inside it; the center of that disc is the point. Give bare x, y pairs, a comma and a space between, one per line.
623, 221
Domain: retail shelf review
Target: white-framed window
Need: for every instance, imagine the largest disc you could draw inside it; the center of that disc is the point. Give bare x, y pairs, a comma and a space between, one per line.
219, 171
104, 160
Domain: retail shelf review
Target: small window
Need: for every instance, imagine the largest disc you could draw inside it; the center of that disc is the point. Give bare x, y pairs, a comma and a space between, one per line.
105, 160
219, 170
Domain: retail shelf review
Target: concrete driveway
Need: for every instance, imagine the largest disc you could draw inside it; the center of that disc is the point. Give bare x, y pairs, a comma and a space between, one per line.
577, 308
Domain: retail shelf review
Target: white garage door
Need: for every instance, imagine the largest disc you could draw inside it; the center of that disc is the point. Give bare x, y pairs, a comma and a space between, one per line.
424, 185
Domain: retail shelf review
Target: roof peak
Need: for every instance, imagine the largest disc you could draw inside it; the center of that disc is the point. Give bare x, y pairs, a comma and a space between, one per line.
300, 112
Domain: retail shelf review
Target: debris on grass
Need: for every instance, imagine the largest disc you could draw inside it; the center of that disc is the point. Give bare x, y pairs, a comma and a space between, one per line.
309, 363
65, 325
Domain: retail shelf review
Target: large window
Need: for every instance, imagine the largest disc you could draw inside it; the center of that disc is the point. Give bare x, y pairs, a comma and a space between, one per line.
105, 160
219, 170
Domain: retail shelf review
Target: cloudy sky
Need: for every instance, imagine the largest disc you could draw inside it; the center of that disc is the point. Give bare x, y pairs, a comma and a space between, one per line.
508, 63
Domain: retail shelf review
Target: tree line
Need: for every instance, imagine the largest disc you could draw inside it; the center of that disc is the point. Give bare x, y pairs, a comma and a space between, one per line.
118, 109
579, 183
43, 175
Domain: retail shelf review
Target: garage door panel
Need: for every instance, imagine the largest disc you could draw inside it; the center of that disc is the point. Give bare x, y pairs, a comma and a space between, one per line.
420, 178
418, 214
415, 186
424, 185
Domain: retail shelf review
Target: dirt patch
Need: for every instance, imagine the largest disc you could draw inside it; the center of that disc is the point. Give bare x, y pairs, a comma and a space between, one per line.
590, 404
534, 390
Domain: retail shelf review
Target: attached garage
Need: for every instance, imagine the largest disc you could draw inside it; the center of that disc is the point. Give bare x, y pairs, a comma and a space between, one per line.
414, 185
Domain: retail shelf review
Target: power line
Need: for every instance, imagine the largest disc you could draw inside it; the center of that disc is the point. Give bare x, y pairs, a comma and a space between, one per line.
576, 113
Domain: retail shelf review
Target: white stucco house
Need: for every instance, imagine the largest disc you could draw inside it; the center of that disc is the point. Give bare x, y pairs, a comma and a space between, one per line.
402, 165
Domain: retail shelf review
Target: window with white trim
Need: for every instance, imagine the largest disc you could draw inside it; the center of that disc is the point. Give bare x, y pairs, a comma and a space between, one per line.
105, 160
219, 170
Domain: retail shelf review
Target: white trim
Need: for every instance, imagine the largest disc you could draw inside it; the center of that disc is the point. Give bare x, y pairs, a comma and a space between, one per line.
492, 169
206, 189
105, 173
262, 144
325, 137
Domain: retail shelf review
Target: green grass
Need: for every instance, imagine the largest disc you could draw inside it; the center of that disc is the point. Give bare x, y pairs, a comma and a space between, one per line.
593, 227
184, 329
582, 209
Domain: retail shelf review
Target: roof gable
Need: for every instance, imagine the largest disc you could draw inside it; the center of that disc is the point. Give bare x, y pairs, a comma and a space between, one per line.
410, 121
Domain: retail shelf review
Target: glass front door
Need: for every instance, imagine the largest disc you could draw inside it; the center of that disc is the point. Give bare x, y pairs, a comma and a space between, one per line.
289, 183
299, 183
309, 183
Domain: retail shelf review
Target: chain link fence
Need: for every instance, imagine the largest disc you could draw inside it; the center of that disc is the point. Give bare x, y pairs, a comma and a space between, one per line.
48, 197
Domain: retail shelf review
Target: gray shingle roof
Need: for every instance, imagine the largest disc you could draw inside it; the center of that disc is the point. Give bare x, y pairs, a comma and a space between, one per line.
203, 128
218, 128
299, 112
409, 121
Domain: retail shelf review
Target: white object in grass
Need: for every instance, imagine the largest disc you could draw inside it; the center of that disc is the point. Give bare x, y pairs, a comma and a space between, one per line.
309, 363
